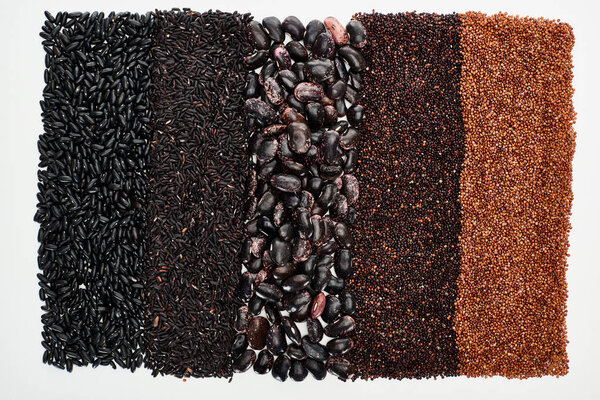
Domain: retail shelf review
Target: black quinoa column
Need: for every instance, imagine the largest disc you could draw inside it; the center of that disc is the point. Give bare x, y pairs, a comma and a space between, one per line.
197, 173
407, 255
91, 206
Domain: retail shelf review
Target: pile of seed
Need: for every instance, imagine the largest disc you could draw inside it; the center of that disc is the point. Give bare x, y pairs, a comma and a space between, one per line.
515, 195
302, 193
197, 173
407, 255
92, 187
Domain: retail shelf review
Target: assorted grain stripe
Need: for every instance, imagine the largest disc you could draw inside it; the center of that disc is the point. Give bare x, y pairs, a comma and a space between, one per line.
197, 174
515, 196
462, 225
92, 187
407, 255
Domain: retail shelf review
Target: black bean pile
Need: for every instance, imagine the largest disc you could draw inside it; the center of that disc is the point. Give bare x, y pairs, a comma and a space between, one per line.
197, 172
301, 196
407, 252
92, 193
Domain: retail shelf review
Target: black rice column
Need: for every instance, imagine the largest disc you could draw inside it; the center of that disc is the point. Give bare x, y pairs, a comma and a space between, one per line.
197, 173
407, 255
91, 206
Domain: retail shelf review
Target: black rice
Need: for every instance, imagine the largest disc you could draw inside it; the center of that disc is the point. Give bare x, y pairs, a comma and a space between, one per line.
91, 200
197, 173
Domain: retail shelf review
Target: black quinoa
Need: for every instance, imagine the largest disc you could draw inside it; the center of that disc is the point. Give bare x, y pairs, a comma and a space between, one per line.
92, 195
197, 173
407, 254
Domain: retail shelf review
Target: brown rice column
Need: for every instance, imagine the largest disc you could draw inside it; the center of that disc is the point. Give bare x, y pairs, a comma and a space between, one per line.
515, 196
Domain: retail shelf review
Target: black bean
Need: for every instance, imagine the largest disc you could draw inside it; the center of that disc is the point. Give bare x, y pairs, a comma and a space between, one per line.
348, 303
272, 26
296, 283
332, 309
315, 114
340, 327
291, 330
260, 38
296, 352
244, 361
298, 137
281, 367
256, 60
318, 70
315, 351
297, 51
282, 58
324, 46
264, 362
321, 278
298, 371
269, 292
294, 27
240, 344
296, 301
275, 340
339, 346
256, 304
317, 369
357, 33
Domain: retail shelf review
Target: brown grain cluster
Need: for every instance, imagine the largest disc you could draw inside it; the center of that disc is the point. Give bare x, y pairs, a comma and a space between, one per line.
515, 196
407, 254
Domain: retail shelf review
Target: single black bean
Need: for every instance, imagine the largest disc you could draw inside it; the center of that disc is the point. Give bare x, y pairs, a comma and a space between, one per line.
275, 340
319, 70
340, 327
324, 46
281, 368
269, 291
260, 39
298, 371
240, 344
273, 28
256, 60
357, 33
291, 330
246, 286
251, 89
264, 362
332, 309
299, 136
315, 114
337, 90
282, 58
317, 369
288, 79
354, 58
315, 351
348, 303
321, 278
255, 305
296, 283
339, 346
244, 361
294, 27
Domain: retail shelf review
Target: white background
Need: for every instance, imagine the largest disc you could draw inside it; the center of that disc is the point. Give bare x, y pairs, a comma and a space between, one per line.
22, 374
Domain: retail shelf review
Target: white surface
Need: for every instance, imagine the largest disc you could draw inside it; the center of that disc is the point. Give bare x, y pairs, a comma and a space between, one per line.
22, 374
